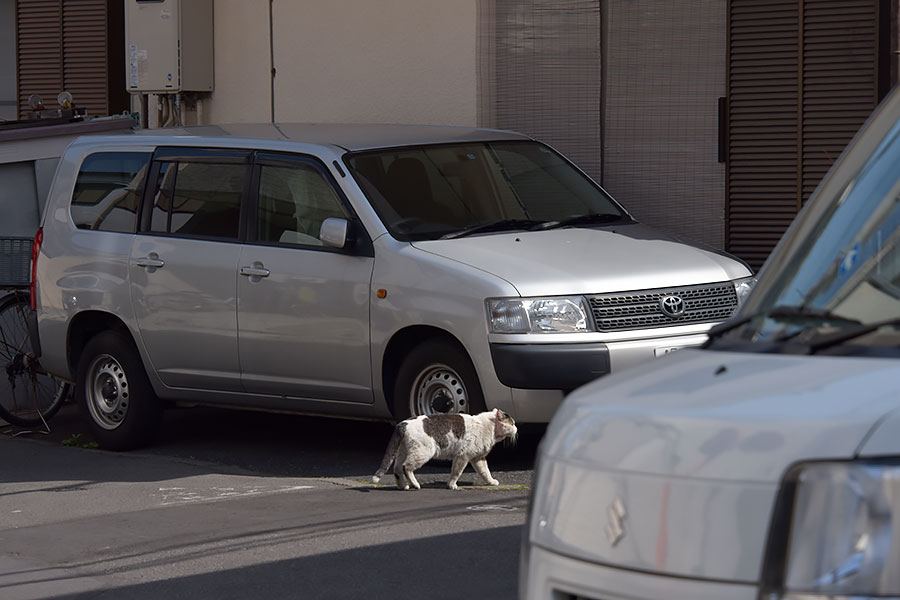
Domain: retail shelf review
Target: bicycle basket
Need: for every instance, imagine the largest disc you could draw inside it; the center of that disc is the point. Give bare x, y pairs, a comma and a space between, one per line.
15, 262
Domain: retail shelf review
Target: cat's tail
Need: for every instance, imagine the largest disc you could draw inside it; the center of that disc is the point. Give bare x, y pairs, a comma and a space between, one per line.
390, 453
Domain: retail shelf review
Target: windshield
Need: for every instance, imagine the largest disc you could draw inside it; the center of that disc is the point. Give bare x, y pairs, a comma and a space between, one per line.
843, 285
451, 190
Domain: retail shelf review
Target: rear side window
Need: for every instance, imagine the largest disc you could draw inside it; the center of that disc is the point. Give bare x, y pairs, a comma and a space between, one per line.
108, 190
198, 199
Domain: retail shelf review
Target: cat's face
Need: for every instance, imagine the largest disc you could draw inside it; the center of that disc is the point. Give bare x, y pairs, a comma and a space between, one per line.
504, 425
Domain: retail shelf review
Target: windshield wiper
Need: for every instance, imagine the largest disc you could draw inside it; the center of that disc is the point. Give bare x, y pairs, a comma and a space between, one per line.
591, 219
501, 225
781, 312
839, 337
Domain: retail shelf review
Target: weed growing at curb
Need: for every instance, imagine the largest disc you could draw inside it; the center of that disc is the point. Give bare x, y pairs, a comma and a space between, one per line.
76, 440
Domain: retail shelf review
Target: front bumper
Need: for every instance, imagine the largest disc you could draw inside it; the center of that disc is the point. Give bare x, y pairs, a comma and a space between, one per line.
549, 366
566, 366
552, 576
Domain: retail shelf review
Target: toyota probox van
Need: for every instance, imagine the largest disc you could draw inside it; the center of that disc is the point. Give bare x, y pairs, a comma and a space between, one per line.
766, 464
360, 271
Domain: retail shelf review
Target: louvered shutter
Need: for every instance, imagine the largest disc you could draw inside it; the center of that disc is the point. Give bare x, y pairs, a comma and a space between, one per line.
840, 80
761, 174
39, 50
802, 78
85, 59
76, 45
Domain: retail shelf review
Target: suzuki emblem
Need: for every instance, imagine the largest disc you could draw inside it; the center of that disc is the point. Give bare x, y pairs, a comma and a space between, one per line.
615, 528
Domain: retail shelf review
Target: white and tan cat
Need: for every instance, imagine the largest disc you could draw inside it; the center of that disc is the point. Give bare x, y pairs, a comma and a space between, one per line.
461, 438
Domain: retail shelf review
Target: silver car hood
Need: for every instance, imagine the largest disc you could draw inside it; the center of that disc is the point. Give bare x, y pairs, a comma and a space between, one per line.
725, 415
588, 261
693, 451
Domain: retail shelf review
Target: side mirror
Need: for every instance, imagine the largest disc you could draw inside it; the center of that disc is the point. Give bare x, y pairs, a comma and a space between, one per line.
334, 232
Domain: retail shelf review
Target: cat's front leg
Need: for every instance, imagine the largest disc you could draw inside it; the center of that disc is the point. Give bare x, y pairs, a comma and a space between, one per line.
481, 467
456, 469
411, 477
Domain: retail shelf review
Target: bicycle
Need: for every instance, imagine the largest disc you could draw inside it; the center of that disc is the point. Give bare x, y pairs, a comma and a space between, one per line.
30, 397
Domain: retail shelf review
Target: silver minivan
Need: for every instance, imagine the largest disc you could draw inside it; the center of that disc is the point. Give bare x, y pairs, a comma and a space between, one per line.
369, 272
764, 465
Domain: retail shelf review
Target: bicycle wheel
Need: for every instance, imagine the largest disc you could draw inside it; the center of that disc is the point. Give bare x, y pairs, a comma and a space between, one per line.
28, 397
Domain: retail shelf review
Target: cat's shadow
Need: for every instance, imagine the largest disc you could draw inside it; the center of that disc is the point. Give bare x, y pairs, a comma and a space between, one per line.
426, 485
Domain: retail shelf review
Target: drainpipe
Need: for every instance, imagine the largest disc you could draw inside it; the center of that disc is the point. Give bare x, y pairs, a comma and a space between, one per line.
272, 62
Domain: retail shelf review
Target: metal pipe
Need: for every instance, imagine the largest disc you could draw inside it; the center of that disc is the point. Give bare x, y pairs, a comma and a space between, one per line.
144, 111
271, 62
159, 110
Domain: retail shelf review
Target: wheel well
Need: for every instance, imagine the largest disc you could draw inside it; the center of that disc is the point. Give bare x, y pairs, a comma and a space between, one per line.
400, 345
86, 325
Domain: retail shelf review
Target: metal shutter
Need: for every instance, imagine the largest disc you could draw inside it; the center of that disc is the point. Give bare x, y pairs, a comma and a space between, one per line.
761, 170
76, 45
802, 77
840, 80
84, 63
39, 50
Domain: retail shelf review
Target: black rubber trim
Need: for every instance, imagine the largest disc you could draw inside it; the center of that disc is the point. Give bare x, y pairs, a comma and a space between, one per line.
549, 366
32, 325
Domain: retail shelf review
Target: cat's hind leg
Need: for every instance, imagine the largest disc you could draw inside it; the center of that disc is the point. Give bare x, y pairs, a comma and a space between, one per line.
417, 456
456, 469
399, 477
481, 467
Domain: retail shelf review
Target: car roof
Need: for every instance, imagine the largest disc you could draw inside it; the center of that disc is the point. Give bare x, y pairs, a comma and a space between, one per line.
349, 136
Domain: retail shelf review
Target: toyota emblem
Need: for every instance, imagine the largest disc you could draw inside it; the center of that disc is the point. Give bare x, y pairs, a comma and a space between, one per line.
672, 306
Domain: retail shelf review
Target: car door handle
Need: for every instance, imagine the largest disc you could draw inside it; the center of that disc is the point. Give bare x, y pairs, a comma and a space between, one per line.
150, 261
254, 272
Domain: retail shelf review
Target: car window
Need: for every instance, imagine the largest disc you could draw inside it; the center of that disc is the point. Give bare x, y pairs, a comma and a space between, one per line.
425, 192
198, 199
108, 189
293, 202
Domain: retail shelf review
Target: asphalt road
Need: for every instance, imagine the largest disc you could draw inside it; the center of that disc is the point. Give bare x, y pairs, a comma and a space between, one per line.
234, 504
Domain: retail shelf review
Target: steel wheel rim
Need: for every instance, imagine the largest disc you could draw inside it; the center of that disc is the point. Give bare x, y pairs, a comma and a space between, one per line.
438, 389
107, 392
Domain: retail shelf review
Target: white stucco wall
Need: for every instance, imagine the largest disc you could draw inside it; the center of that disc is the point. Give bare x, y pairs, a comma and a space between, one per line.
408, 61
241, 63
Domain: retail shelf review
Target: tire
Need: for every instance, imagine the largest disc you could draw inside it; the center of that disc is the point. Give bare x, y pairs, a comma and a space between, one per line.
115, 395
28, 396
437, 377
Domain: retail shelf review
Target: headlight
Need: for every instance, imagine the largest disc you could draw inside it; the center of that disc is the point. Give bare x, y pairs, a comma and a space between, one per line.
563, 314
743, 287
844, 537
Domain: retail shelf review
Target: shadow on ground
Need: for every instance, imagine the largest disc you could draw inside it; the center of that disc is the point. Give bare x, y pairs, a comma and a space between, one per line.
293, 445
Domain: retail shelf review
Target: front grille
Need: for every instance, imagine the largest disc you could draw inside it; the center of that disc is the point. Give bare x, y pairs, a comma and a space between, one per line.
642, 309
